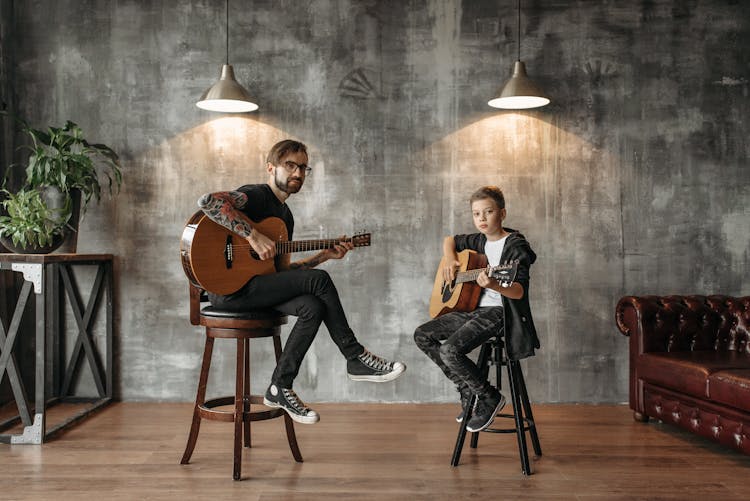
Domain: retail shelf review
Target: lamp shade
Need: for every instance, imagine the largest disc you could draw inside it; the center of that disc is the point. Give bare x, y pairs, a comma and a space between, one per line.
519, 92
227, 95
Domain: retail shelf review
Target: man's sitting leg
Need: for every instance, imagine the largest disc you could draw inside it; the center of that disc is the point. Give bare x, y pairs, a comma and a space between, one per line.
369, 367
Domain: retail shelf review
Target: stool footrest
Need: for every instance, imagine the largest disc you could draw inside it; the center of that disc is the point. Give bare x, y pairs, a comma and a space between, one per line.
207, 411
529, 424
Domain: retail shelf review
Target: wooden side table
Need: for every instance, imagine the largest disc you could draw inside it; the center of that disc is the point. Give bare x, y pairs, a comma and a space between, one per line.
50, 278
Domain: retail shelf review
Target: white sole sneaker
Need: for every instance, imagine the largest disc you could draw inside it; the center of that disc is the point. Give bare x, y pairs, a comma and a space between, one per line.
295, 417
398, 369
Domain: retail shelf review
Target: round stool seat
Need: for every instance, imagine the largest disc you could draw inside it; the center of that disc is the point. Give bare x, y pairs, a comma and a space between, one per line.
251, 319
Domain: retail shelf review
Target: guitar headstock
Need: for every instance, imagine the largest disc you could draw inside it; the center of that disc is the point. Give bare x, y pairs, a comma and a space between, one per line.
505, 274
361, 240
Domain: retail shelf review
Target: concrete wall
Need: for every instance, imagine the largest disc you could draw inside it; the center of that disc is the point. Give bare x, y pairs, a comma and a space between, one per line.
635, 180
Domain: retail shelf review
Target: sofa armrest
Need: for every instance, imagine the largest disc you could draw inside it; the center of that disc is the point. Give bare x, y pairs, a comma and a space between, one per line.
640, 318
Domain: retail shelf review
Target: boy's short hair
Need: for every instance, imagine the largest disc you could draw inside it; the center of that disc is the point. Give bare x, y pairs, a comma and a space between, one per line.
492, 192
281, 148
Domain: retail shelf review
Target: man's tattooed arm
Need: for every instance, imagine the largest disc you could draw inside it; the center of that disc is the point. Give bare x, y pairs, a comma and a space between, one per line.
309, 263
338, 251
221, 207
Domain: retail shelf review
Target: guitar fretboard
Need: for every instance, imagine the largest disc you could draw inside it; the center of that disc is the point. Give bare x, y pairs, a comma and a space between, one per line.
472, 275
307, 245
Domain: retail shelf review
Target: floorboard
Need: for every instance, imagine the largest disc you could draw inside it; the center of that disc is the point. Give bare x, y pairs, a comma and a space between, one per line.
130, 451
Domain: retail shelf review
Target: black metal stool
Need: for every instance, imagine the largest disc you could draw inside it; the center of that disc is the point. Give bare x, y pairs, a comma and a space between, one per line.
242, 327
493, 352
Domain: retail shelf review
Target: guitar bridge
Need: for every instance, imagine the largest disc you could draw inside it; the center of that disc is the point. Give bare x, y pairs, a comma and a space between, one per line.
228, 252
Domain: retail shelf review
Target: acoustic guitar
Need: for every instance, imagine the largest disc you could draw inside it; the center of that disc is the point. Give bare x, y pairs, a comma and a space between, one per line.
462, 294
220, 261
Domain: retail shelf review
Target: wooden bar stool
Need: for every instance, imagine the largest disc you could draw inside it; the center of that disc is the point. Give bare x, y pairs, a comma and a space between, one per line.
493, 353
242, 327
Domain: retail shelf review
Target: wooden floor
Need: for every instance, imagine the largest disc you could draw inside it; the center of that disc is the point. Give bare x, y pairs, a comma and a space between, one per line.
130, 451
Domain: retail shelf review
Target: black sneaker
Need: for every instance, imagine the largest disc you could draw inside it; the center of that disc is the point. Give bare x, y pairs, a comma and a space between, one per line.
466, 395
485, 411
369, 367
286, 399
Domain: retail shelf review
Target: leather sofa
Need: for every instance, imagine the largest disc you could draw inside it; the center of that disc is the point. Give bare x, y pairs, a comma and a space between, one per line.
690, 363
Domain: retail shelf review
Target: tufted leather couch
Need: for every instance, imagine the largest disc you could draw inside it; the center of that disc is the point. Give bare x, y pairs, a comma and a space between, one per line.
690, 363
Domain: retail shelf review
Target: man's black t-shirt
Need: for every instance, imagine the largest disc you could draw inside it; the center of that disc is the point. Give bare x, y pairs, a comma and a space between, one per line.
262, 203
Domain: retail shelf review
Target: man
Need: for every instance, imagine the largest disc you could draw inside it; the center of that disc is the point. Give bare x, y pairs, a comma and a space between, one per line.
296, 289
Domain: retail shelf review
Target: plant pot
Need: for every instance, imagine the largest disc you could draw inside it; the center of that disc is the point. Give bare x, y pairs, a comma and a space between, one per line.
56, 199
70, 243
8, 244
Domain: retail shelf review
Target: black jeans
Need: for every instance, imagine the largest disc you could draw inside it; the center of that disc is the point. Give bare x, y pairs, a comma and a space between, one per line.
311, 296
450, 337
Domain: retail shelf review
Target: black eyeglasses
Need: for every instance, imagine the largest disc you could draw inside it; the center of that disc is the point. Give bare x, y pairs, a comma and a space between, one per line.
290, 167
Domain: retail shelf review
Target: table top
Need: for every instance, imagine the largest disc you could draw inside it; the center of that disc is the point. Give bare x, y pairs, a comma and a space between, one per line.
53, 258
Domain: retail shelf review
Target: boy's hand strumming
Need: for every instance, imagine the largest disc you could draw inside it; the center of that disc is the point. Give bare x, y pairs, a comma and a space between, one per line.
449, 271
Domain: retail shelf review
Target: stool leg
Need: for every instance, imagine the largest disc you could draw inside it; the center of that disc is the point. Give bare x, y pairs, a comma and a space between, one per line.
462, 433
518, 415
483, 363
499, 362
246, 396
199, 399
291, 437
484, 368
529, 416
238, 407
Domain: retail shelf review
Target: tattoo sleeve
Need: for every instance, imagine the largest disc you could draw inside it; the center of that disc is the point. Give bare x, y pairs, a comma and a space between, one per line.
306, 264
221, 207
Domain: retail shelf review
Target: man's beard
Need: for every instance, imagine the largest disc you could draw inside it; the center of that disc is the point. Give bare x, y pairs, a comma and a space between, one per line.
283, 185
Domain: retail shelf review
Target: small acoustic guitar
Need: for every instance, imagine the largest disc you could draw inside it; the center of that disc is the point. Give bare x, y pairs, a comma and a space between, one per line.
462, 294
220, 261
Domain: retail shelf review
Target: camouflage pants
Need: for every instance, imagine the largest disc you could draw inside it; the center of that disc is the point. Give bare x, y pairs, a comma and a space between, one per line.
449, 338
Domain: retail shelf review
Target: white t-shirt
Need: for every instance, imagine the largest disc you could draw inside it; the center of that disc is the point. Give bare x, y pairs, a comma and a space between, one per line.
493, 250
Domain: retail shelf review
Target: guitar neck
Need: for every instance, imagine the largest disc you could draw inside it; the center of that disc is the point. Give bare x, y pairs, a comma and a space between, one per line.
472, 275
307, 245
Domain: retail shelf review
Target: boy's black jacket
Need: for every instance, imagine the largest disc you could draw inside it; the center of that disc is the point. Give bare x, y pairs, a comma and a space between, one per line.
520, 334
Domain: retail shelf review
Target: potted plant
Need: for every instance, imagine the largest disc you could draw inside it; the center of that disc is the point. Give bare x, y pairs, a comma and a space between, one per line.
62, 158
66, 168
30, 224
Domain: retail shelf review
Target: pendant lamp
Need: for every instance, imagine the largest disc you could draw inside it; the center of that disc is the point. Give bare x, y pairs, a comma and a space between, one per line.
227, 95
519, 92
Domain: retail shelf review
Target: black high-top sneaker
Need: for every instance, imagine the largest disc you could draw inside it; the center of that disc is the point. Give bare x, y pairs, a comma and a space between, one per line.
466, 395
286, 399
369, 367
485, 411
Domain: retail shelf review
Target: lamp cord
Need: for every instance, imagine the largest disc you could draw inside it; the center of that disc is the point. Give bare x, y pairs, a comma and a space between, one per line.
227, 30
519, 30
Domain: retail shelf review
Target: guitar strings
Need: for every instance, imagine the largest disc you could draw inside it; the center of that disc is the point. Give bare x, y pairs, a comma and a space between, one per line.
472, 275
313, 244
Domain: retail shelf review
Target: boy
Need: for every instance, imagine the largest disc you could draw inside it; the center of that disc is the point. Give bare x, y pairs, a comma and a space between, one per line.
502, 311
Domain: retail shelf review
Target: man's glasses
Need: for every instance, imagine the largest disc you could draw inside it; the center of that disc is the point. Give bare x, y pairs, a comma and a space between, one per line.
290, 167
